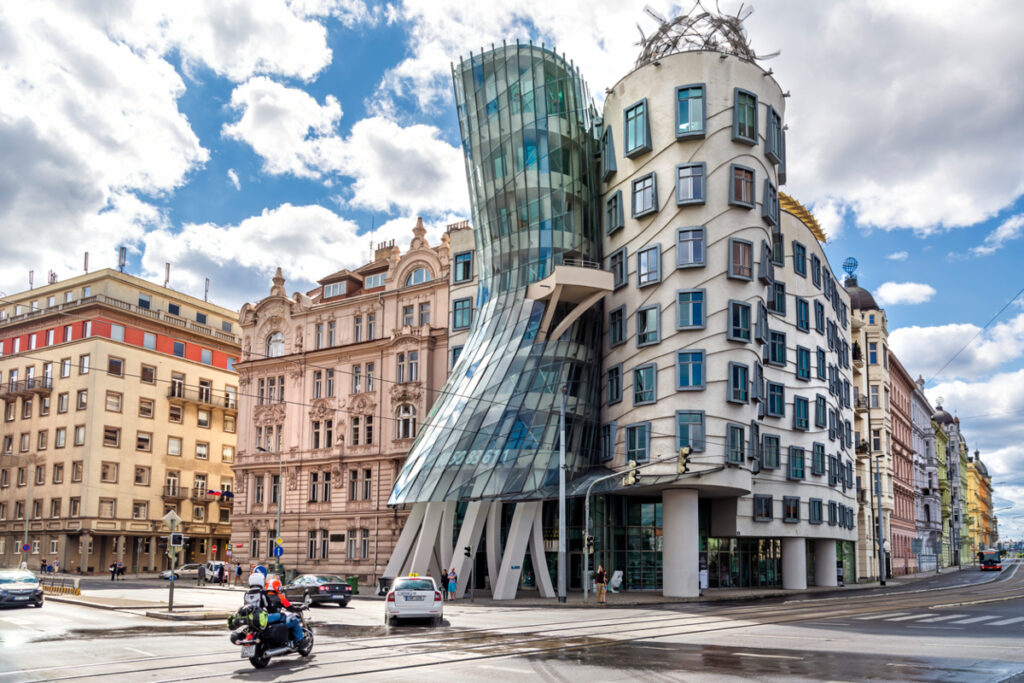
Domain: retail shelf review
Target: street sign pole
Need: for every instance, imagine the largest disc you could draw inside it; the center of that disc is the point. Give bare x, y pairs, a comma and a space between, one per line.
172, 520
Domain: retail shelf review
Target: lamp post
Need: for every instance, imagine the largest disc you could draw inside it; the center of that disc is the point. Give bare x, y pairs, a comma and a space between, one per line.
880, 536
28, 501
561, 500
280, 498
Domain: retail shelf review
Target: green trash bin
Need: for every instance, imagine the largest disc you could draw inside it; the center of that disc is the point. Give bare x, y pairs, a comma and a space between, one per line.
353, 581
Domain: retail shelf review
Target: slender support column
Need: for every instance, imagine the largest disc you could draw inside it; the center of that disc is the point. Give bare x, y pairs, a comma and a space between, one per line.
537, 555
469, 535
444, 538
152, 553
681, 543
515, 550
405, 541
794, 563
421, 555
825, 563
493, 543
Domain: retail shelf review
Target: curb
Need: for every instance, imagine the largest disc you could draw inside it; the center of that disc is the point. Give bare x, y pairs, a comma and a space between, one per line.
186, 616
113, 608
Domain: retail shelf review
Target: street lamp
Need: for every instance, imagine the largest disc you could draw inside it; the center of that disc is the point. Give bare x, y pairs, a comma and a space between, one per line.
28, 500
880, 537
280, 497
561, 500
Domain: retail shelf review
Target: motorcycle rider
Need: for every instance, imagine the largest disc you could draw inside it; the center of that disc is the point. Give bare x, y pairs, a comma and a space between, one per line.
293, 623
266, 595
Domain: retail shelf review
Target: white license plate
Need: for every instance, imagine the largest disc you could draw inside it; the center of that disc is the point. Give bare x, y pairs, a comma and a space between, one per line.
337, 597
248, 651
21, 597
414, 598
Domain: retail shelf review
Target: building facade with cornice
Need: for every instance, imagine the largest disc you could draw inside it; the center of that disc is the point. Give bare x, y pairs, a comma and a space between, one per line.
335, 383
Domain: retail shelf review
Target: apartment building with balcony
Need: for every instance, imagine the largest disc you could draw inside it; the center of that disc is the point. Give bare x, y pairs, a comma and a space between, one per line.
119, 405
928, 496
334, 385
904, 523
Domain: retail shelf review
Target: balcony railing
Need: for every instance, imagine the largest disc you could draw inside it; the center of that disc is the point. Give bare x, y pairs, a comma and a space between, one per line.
861, 404
581, 263
202, 495
26, 387
175, 493
205, 396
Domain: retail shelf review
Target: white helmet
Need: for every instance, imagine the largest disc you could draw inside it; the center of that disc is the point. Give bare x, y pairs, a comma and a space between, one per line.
257, 579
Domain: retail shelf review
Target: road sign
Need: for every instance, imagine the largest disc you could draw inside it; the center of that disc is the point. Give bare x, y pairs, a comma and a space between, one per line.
25, 548
171, 519
278, 551
279, 540
213, 549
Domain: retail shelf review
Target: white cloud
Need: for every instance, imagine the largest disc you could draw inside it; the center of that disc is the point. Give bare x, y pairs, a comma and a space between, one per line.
408, 168
829, 213
923, 350
912, 162
233, 177
893, 293
898, 256
1010, 229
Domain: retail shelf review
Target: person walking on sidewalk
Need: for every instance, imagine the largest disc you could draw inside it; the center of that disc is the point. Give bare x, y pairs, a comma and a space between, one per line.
238, 573
600, 582
113, 571
201, 575
453, 579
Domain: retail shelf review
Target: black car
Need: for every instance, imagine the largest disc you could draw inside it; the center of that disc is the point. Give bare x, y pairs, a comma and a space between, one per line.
318, 588
20, 587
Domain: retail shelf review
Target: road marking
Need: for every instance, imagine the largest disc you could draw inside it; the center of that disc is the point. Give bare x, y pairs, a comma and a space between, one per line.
1006, 622
501, 668
141, 652
945, 617
912, 616
758, 654
974, 620
882, 616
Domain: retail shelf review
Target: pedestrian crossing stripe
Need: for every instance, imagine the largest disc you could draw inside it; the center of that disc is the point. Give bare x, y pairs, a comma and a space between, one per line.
882, 616
974, 620
1006, 622
945, 617
912, 616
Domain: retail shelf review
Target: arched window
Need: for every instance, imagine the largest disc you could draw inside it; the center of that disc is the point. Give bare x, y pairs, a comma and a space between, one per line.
275, 345
405, 421
418, 276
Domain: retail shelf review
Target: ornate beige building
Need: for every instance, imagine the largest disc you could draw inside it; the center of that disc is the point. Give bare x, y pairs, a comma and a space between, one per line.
119, 403
334, 385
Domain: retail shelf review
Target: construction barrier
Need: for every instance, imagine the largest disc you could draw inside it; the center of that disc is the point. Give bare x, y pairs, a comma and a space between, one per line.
60, 585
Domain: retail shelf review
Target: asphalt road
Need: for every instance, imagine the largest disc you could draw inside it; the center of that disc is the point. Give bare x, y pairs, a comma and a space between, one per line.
966, 626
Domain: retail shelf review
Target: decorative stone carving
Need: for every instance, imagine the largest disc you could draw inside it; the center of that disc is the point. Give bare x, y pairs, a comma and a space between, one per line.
406, 393
293, 478
278, 288
361, 404
336, 478
321, 409
269, 414
298, 339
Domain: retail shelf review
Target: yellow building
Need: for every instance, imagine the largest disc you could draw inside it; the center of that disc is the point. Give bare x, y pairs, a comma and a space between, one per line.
119, 404
979, 505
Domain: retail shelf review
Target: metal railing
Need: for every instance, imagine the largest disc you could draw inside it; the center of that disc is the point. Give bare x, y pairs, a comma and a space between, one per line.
203, 395
581, 263
175, 492
23, 386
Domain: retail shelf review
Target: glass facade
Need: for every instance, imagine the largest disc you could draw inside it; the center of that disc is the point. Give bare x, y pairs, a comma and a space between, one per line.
528, 138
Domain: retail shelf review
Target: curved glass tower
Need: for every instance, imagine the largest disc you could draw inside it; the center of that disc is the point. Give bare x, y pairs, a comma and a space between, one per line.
527, 133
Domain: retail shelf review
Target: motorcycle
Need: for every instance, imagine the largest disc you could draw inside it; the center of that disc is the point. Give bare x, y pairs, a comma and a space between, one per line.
260, 644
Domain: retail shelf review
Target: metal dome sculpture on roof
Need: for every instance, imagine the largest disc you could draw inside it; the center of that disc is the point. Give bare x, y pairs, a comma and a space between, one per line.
698, 29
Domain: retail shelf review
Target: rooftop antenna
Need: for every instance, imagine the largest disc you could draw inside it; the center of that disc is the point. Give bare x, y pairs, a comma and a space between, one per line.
31, 276
167, 273
206, 294
122, 257
85, 266
51, 277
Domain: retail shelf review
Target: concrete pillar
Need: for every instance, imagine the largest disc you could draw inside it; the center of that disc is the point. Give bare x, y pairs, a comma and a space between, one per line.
515, 550
681, 544
794, 564
825, 563
424, 552
152, 553
539, 557
493, 542
405, 540
120, 548
469, 535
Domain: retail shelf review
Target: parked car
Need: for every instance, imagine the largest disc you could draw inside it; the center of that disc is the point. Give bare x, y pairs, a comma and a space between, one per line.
20, 587
318, 588
185, 571
413, 597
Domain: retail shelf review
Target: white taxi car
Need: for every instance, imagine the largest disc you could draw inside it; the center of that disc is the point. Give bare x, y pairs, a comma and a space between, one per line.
413, 597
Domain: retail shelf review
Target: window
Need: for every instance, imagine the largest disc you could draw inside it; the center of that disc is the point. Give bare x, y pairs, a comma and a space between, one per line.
803, 315
778, 250
617, 265
645, 195
690, 429
60, 436
636, 130
873, 360
818, 459
424, 314
816, 270
400, 368
142, 476
113, 403
799, 259
144, 441
206, 356
648, 266
607, 154
147, 375
741, 255
456, 352
777, 348
374, 281
357, 334
332, 328
770, 451
108, 472
690, 111
463, 267
803, 363
796, 463
739, 321
773, 148
690, 309
770, 204
318, 336
416, 277
776, 400
689, 247
690, 370
638, 441
741, 187
174, 414
734, 451
65, 367
613, 384
790, 509
744, 118
112, 436
108, 508
405, 422
83, 364
275, 345
203, 418
819, 317
462, 313
367, 484
200, 318
613, 215
645, 388
814, 511
202, 451
617, 326
690, 183
647, 323
821, 363
179, 349
739, 383
800, 410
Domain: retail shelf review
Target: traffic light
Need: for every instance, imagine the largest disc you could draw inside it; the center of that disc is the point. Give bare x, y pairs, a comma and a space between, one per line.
630, 477
177, 540
684, 459
469, 551
590, 545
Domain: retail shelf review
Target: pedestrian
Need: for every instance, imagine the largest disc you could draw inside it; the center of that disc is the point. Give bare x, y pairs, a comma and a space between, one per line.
42, 567
444, 588
600, 581
452, 580
113, 571
121, 568
201, 575
238, 573
56, 566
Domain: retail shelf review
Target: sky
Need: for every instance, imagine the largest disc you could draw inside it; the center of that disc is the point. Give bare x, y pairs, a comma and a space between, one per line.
231, 137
